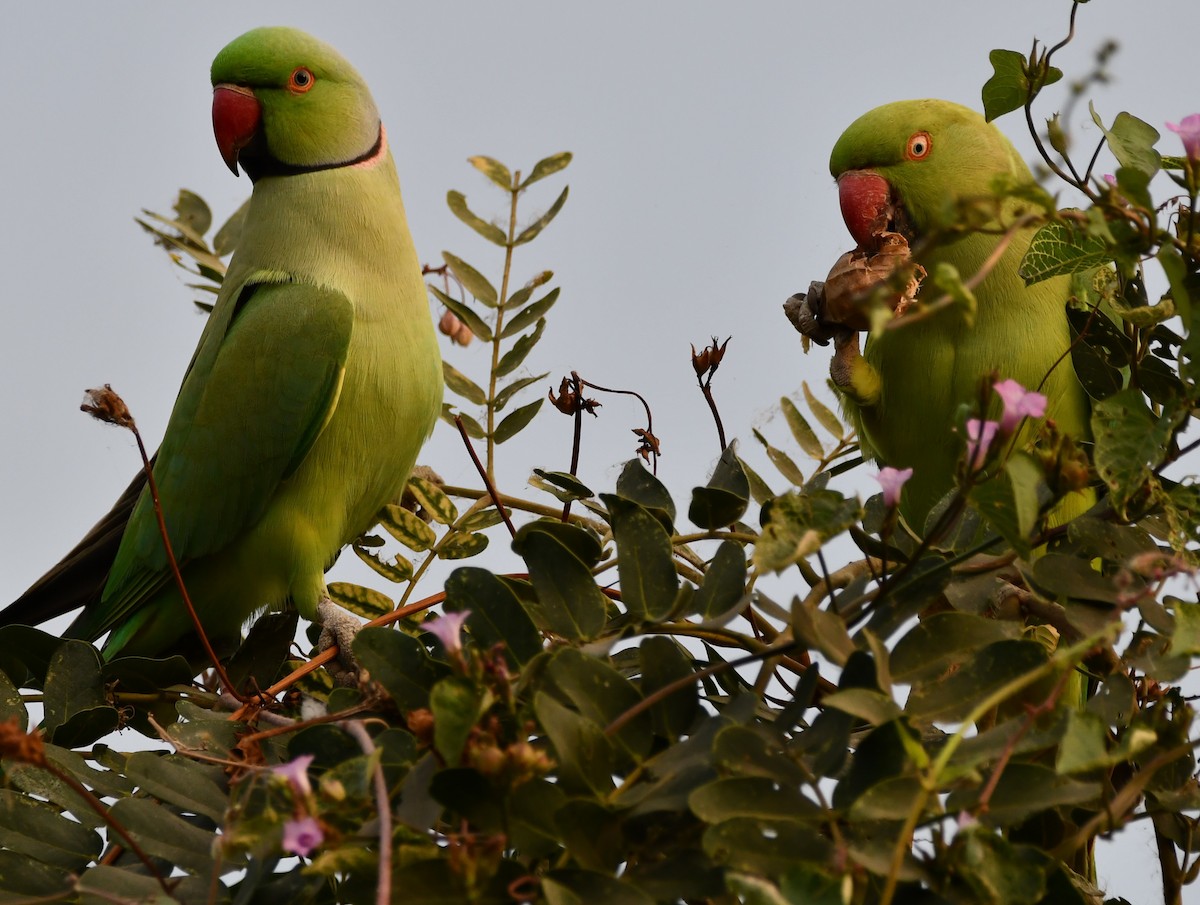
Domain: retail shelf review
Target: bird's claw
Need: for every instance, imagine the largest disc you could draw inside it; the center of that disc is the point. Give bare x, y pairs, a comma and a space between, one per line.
339, 627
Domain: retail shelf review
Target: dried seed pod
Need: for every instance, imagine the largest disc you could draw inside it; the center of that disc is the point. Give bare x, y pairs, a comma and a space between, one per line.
851, 284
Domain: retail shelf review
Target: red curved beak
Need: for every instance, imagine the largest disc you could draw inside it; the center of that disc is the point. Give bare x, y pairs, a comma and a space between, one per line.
866, 200
236, 116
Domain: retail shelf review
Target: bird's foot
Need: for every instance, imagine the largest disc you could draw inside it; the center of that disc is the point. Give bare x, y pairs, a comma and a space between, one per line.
339, 627
805, 311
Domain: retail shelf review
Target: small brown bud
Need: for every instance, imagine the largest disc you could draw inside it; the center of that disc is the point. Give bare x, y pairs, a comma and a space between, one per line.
103, 404
19, 745
451, 326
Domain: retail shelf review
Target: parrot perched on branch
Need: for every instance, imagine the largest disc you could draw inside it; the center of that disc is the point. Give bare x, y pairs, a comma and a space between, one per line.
315, 383
912, 162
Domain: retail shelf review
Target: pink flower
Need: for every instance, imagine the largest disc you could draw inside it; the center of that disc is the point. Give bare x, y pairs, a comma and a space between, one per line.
891, 480
448, 629
301, 836
296, 773
1019, 403
1110, 178
1188, 130
979, 437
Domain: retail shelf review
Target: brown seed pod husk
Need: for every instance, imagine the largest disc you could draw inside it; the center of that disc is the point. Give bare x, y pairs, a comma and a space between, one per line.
852, 284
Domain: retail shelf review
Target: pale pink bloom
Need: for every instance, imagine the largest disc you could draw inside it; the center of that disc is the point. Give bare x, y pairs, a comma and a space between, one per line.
448, 629
1019, 403
1110, 178
296, 773
980, 435
301, 836
1188, 130
892, 480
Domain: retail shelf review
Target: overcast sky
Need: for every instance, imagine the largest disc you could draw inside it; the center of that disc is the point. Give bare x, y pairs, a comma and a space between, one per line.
700, 199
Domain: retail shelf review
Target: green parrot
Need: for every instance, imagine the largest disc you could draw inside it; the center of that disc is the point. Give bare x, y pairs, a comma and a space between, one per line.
920, 157
315, 383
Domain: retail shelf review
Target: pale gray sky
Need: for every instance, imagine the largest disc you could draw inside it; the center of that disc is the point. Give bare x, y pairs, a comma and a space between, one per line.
700, 199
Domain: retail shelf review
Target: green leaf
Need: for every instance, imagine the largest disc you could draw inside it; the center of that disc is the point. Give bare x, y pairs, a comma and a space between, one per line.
568, 602
407, 527
1186, 637
1130, 442
637, 483
760, 846
461, 545
645, 560
1009, 87
516, 421
796, 524
822, 413
230, 233
457, 704
531, 231
993, 667
804, 434
457, 202
547, 166
947, 279
473, 281
477, 325
782, 461
193, 212
39, 832
664, 662
724, 499
601, 694
399, 570
1085, 745
432, 499
997, 871
192, 787
584, 754
458, 382
1060, 248
493, 170
163, 834
480, 520
724, 582
565, 486
750, 796
512, 359
399, 663
473, 428
1011, 500
526, 317
822, 631
944, 641
1131, 141
1023, 790
74, 686
522, 295
497, 615
516, 386
365, 602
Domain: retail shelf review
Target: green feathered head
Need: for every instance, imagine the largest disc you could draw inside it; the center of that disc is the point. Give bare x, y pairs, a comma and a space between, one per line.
284, 103
922, 155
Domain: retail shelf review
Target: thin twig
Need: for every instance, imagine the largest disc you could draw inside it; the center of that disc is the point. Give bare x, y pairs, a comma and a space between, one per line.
483, 473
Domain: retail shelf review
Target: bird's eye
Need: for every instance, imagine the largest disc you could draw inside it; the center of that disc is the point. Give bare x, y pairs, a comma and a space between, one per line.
302, 79
919, 146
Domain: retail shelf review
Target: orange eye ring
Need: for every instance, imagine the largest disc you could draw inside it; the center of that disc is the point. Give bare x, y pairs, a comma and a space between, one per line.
918, 147
301, 80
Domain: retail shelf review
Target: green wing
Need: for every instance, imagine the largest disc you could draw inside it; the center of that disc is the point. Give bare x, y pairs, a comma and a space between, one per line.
250, 408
